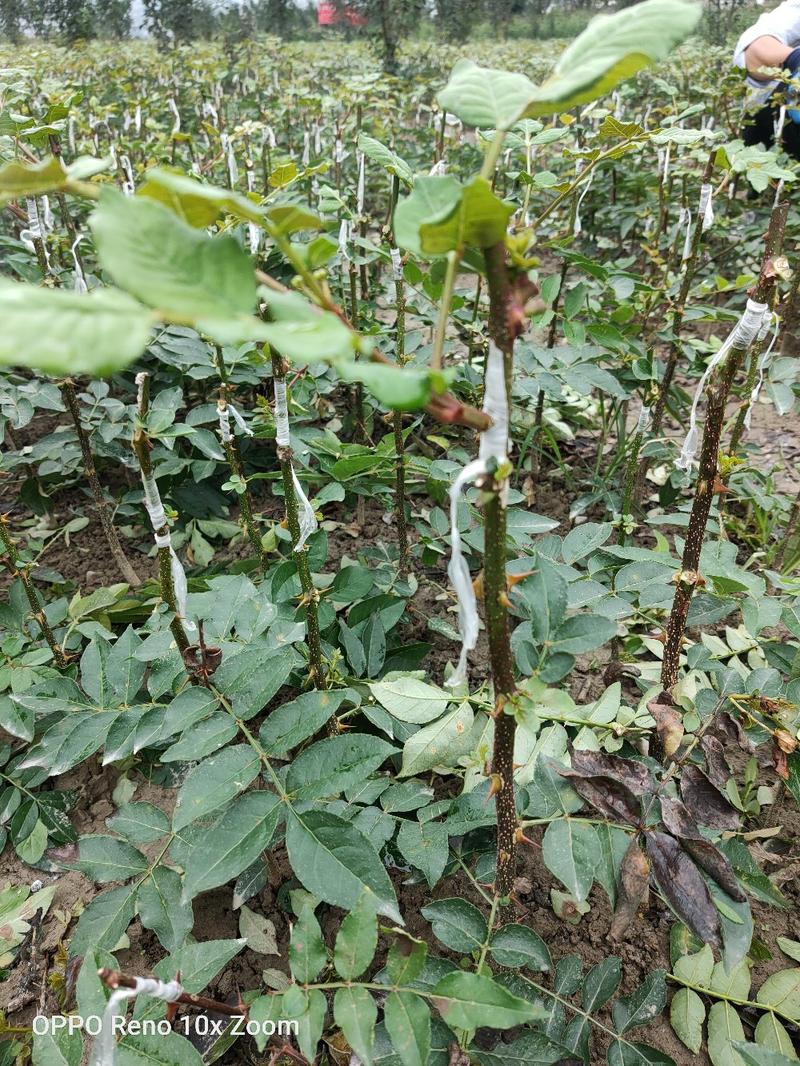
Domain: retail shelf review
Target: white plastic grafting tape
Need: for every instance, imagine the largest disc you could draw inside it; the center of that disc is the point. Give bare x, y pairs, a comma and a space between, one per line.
344, 239
362, 176
645, 420
176, 126
112, 151
438, 169
741, 337
224, 422
281, 415
317, 139
269, 137
179, 585
240, 422
778, 194
397, 271
578, 226
233, 170
780, 121
71, 134
305, 513
706, 206
493, 446
763, 363
80, 277
665, 170
47, 216
209, 111
685, 219
105, 1046
137, 119
140, 379
129, 185
306, 148
338, 148
152, 502
36, 230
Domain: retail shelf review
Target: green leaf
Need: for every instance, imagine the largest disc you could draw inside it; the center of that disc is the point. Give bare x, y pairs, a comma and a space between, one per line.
308, 1009
162, 908
213, 782
169, 1049
307, 953
611, 49
440, 743
545, 593
168, 265
356, 940
642, 1006
336, 863
20, 180
303, 332
398, 388
424, 845
458, 924
687, 1013
199, 963
571, 851
478, 220
517, 945
583, 540
410, 699
696, 968
480, 96
104, 921
197, 204
292, 723
59, 332
600, 984
408, 1023
469, 1001
724, 1027
389, 160
355, 1013
105, 858
624, 1054
782, 991
582, 633
752, 1055
772, 1033
60, 1048
251, 678
334, 764
433, 198
531, 1049
233, 843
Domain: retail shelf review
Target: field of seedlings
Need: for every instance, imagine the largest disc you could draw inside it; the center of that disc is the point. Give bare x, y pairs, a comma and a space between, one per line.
400, 526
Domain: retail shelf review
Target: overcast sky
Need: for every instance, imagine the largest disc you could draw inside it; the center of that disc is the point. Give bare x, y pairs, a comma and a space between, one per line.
137, 8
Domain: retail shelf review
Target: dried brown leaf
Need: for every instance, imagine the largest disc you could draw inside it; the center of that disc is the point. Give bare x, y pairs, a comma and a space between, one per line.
669, 723
632, 774
716, 764
705, 802
683, 887
607, 795
634, 877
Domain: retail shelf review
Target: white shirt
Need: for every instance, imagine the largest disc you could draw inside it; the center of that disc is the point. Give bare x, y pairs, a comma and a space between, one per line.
783, 23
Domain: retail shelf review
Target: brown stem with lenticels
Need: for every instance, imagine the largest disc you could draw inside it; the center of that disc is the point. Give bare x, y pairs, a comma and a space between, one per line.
688, 578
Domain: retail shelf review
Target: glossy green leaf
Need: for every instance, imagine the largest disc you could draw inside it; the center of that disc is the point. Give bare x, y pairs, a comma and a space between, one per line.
214, 782
355, 1012
307, 953
104, 858
296, 721
687, 1013
457, 923
410, 699
334, 764
571, 851
162, 908
408, 1022
425, 846
469, 1001
517, 945
336, 863
356, 940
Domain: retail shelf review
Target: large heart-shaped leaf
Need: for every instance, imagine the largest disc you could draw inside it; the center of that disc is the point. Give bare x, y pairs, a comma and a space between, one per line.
480, 96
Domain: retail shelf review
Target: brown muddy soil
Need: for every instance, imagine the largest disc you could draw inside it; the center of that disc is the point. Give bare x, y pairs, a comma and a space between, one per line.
86, 563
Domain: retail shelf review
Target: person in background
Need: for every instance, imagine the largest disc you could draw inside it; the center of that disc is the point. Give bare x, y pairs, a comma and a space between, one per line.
772, 41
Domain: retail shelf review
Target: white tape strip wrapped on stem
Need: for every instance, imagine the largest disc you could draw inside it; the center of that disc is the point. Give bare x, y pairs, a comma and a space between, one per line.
685, 219
741, 337
771, 321
105, 1046
306, 518
705, 208
492, 452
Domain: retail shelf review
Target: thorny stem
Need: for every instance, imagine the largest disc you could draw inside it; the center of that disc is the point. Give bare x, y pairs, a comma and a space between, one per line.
101, 507
310, 597
688, 578
505, 724
689, 268
37, 608
141, 447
